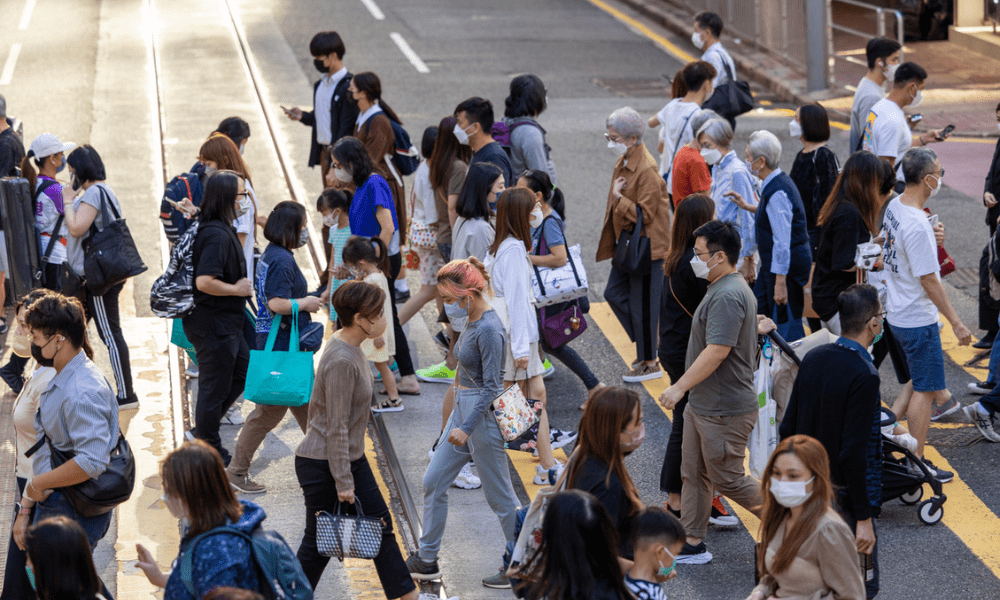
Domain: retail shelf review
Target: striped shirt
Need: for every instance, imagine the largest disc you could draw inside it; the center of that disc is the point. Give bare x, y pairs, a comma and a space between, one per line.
645, 590
79, 413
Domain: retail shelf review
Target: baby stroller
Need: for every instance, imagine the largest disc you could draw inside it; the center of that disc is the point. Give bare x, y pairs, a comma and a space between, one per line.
904, 475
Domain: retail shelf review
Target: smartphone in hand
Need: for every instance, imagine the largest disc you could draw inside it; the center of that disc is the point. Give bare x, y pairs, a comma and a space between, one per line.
945, 132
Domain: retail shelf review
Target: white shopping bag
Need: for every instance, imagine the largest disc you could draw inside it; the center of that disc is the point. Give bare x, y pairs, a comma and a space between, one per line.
764, 437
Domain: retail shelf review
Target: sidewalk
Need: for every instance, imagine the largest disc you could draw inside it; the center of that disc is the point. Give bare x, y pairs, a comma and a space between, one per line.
962, 86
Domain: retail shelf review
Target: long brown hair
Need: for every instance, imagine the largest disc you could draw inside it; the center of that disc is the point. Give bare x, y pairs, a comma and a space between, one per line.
446, 150
223, 152
693, 212
857, 184
194, 473
608, 414
513, 216
813, 456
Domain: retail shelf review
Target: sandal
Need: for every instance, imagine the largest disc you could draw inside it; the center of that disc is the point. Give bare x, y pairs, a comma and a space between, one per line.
388, 405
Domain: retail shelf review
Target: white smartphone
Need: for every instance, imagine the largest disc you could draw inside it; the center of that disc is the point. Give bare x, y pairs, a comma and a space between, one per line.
933, 219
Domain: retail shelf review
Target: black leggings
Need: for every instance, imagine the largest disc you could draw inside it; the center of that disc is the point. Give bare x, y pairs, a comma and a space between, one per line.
670, 474
403, 360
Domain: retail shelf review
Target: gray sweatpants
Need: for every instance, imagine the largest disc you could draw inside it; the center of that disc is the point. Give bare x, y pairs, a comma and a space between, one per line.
486, 446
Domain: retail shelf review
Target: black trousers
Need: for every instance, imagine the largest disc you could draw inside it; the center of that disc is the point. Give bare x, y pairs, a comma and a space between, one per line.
105, 313
403, 359
15, 581
670, 473
871, 585
223, 355
635, 300
320, 491
989, 309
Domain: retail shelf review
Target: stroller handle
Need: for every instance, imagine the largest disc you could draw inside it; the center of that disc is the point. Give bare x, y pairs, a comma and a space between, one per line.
785, 347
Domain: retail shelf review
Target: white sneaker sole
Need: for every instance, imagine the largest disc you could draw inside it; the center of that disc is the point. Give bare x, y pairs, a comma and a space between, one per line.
981, 423
726, 521
467, 484
951, 410
435, 379
641, 378
695, 559
978, 391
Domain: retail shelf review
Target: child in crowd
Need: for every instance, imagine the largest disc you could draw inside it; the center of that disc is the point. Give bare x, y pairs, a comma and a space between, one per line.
335, 205
368, 259
657, 537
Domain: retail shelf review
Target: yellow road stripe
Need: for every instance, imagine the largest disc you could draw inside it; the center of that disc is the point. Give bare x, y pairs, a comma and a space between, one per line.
668, 46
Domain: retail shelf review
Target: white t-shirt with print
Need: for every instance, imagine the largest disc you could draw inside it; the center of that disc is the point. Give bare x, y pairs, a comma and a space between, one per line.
910, 252
248, 224
886, 132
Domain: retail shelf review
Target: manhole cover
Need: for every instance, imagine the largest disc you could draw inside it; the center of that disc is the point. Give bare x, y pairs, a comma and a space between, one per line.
960, 437
964, 277
635, 86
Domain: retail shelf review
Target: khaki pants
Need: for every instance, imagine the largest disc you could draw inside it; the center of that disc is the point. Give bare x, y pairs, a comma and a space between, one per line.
262, 420
712, 457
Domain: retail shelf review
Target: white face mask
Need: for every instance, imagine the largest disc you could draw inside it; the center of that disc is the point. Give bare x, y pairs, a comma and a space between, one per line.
917, 99
463, 137
244, 207
697, 41
711, 155
536, 218
618, 148
998, 125
330, 220
700, 267
790, 493
342, 175
634, 439
243, 147
794, 129
890, 73
937, 189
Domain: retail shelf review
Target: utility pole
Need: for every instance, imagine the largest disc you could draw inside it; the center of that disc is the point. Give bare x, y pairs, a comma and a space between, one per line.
816, 45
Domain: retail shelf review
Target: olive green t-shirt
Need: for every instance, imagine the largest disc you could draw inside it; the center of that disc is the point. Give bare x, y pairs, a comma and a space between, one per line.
727, 316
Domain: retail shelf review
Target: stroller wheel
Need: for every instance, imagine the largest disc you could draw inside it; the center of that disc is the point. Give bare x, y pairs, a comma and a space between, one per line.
913, 497
930, 512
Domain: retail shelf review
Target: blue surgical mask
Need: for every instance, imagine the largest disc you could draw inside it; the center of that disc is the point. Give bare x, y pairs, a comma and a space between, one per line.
31, 576
455, 311
62, 166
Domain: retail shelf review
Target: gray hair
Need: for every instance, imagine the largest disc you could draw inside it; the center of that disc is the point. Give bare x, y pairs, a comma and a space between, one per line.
717, 130
702, 116
3, 107
627, 122
917, 163
765, 144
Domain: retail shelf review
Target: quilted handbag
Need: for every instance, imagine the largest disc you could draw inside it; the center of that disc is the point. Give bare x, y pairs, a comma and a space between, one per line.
110, 255
560, 327
559, 284
280, 378
348, 536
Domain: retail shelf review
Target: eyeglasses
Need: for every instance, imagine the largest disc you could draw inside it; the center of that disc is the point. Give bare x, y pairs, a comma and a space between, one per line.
611, 139
243, 194
940, 171
881, 315
696, 253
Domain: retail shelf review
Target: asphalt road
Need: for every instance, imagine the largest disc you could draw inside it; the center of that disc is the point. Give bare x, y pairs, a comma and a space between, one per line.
591, 64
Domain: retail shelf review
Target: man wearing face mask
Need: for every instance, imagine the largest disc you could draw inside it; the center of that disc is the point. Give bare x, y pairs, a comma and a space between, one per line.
722, 403
707, 31
886, 132
836, 400
475, 129
883, 60
915, 296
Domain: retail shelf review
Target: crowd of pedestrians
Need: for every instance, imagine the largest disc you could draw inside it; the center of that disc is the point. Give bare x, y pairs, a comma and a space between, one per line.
711, 246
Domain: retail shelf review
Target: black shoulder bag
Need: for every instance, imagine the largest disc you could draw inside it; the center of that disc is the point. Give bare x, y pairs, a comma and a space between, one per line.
633, 254
110, 254
732, 98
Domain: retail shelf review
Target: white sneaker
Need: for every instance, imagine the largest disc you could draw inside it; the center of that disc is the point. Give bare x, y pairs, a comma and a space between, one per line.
905, 440
233, 416
549, 476
466, 479
192, 371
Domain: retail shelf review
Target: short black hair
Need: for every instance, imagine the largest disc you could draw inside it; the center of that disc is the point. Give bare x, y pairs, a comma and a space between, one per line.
427, 141
332, 198
234, 128
907, 73
55, 314
474, 201
87, 164
327, 42
815, 122
998, 107
477, 110
880, 48
721, 235
527, 97
857, 305
655, 525
284, 224
696, 73
219, 200
710, 21
353, 156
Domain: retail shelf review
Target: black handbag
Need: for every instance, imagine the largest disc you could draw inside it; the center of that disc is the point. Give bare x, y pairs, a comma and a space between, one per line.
110, 254
95, 497
732, 98
632, 254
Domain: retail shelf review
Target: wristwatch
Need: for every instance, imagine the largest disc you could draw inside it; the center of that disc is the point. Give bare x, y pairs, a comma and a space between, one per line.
22, 510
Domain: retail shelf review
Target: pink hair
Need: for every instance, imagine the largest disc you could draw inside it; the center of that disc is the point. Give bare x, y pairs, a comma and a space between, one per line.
463, 278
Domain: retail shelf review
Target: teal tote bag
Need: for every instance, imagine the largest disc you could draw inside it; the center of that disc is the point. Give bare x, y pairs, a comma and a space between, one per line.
280, 378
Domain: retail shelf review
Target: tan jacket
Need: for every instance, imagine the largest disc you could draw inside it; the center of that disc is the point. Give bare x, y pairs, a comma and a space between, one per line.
644, 187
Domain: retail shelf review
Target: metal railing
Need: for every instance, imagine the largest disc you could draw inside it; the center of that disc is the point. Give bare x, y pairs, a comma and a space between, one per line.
880, 28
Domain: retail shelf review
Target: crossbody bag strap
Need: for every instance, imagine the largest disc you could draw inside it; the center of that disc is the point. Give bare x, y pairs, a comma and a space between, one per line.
670, 282
677, 144
53, 239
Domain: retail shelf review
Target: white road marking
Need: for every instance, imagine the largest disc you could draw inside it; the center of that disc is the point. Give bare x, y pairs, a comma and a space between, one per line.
29, 7
374, 9
8, 67
409, 53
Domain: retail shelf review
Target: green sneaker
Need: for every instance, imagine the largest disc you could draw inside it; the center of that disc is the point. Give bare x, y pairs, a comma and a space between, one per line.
549, 369
439, 373
393, 367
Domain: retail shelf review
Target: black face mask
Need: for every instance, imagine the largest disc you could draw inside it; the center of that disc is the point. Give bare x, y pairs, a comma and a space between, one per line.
318, 63
36, 353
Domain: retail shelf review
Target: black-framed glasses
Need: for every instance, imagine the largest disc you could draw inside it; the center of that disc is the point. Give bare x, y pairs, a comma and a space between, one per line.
882, 315
709, 252
242, 194
611, 139
939, 172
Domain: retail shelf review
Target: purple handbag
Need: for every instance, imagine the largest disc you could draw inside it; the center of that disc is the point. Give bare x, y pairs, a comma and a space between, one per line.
564, 326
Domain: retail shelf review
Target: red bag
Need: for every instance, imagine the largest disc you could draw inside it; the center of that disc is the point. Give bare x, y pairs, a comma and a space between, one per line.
945, 261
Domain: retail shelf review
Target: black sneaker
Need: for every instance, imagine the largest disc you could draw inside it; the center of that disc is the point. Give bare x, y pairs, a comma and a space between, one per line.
422, 571
128, 403
986, 342
12, 379
694, 555
981, 387
939, 473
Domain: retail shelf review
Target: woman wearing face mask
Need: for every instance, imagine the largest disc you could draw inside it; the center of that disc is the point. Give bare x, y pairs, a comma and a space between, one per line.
448, 163
695, 81
635, 183
197, 492
47, 155
330, 462
61, 564
76, 412
215, 325
15, 584
279, 282
511, 272
471, 429
730, 174
611, 428
806, 550
373, 213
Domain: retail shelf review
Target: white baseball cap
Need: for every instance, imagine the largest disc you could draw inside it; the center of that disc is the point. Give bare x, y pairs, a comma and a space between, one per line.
48, 144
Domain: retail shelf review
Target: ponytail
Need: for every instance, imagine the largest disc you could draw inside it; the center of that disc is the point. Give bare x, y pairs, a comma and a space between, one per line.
29, 172
371, 250
539, 182
383, 257
558, 202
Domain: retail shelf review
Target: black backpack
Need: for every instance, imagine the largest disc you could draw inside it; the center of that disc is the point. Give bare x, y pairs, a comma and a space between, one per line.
406, 158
